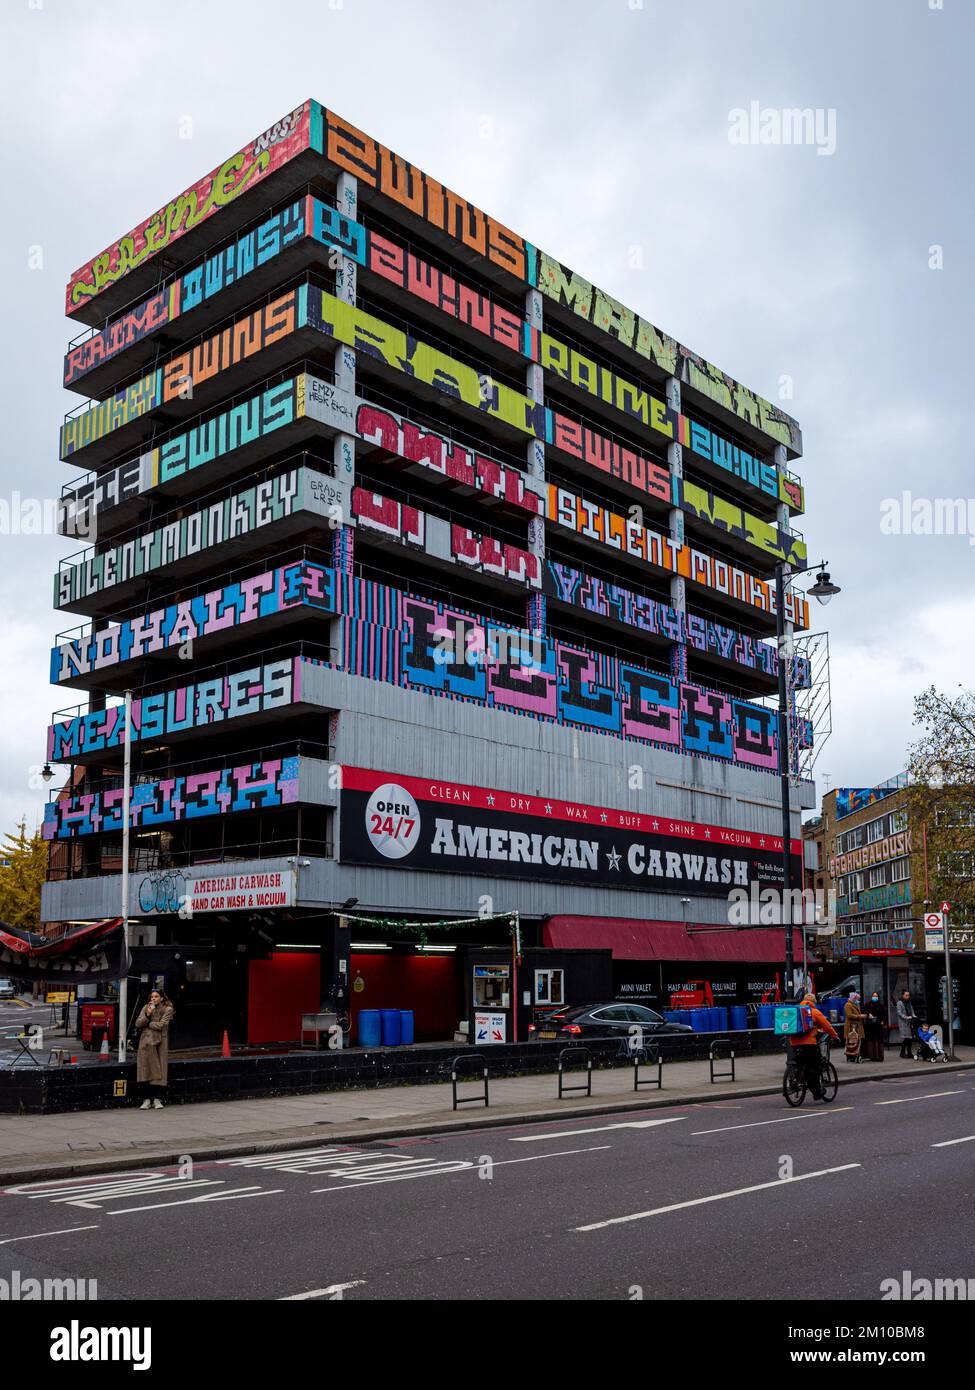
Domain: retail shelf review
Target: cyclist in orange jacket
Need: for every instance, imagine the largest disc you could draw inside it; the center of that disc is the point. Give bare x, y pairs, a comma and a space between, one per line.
807, 1054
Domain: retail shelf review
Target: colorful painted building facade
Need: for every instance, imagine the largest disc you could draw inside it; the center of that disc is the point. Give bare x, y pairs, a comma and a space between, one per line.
442, 580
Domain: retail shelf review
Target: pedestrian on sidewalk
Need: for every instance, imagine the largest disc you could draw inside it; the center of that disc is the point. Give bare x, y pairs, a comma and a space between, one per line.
906, 1024
152, 1058
853, 1028
873, 1029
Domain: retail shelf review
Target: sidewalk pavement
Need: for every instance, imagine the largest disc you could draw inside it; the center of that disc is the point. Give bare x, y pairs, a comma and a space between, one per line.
47, 1146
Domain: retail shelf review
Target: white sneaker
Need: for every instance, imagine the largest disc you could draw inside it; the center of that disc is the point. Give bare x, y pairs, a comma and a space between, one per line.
157, 1104
146, 1105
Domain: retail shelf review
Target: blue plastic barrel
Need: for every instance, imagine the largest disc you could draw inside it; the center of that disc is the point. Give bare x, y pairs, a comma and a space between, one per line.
370, 1028
406, 1026
739, 1018
699, 1020
391, 1027
766, 1015
720, 1018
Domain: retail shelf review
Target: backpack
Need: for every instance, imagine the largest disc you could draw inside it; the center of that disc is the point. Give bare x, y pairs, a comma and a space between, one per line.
792, 1019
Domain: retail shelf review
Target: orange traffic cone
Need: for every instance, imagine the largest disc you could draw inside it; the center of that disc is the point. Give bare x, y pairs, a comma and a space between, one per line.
225, 1050
103, 1050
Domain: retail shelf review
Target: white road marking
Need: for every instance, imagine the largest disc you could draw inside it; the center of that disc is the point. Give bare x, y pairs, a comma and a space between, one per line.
52, 1187
905, 1100
93, 1200
465, 1164
716, 1197
596, 1129
560, 1153
322, 1293
755, 1124
41, 1234
947, 1143
230, 1196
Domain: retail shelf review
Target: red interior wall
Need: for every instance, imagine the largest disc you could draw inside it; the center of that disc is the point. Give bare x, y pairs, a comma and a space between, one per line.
426, 984
279, 991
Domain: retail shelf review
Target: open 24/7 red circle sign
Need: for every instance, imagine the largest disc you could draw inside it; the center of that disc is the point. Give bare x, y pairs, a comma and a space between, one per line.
933, 921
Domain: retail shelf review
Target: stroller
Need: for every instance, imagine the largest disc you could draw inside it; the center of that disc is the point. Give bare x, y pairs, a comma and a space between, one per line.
929, 1045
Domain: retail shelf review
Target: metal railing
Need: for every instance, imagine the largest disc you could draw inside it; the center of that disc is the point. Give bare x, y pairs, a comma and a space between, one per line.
301, 459
94, 475
306, 277
316, 652
455, 1063
294, 748
216, 249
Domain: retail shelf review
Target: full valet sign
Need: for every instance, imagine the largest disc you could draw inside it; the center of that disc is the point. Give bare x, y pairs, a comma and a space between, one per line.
421, 823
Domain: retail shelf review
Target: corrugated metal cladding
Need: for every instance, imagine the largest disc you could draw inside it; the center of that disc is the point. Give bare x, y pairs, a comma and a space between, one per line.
421, 735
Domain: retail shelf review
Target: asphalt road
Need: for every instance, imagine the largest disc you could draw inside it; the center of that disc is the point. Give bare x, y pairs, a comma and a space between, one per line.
741, 1199
17, 1018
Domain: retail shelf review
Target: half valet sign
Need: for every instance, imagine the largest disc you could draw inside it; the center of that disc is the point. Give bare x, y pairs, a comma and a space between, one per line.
419, 823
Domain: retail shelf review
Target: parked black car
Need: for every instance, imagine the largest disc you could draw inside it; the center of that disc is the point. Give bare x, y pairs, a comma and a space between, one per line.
611, 1020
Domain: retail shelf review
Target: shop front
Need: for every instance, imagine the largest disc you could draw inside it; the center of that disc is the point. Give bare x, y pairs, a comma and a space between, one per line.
676, 965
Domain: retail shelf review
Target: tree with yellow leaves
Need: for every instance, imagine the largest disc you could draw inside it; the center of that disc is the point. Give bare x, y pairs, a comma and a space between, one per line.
23, 868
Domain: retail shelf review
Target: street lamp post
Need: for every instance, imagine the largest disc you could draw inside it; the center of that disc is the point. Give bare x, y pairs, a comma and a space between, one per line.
823, 590
123, 990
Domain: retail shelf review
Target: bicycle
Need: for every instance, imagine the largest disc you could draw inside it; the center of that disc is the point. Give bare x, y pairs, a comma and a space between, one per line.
795, 1084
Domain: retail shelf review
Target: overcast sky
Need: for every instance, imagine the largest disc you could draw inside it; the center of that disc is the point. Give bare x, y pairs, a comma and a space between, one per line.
591, 127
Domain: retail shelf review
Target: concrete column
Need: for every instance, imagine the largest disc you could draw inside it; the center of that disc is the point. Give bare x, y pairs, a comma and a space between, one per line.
535, 389
675, 520
346, 283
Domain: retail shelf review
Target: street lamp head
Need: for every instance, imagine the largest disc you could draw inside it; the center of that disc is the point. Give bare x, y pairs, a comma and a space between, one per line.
47, 773
823, 589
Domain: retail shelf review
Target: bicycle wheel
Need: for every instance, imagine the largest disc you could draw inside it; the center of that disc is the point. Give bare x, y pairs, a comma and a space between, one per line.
830, 1083
794, 1086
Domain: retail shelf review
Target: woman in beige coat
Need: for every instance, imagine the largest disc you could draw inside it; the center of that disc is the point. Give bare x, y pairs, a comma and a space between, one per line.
152, 1059
853, 1028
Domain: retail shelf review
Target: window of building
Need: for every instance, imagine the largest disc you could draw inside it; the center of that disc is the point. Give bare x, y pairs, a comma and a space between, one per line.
548, 987
878, 876
857, 882
955, 817
956, 865
855, 838
875, 830
900, 870
898, 822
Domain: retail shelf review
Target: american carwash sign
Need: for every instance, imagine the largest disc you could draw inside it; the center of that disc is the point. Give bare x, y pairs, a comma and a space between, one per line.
192, 891
422, 823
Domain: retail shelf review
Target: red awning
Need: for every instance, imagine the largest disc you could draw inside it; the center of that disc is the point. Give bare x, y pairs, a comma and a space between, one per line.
633, 939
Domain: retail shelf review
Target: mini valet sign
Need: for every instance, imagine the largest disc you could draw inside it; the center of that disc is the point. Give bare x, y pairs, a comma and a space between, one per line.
446, 827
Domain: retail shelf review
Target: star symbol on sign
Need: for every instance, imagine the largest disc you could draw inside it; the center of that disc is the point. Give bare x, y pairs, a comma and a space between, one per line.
707, 834
614, 858
548, 808
656, 824
490, 801
604, 818
761, 844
